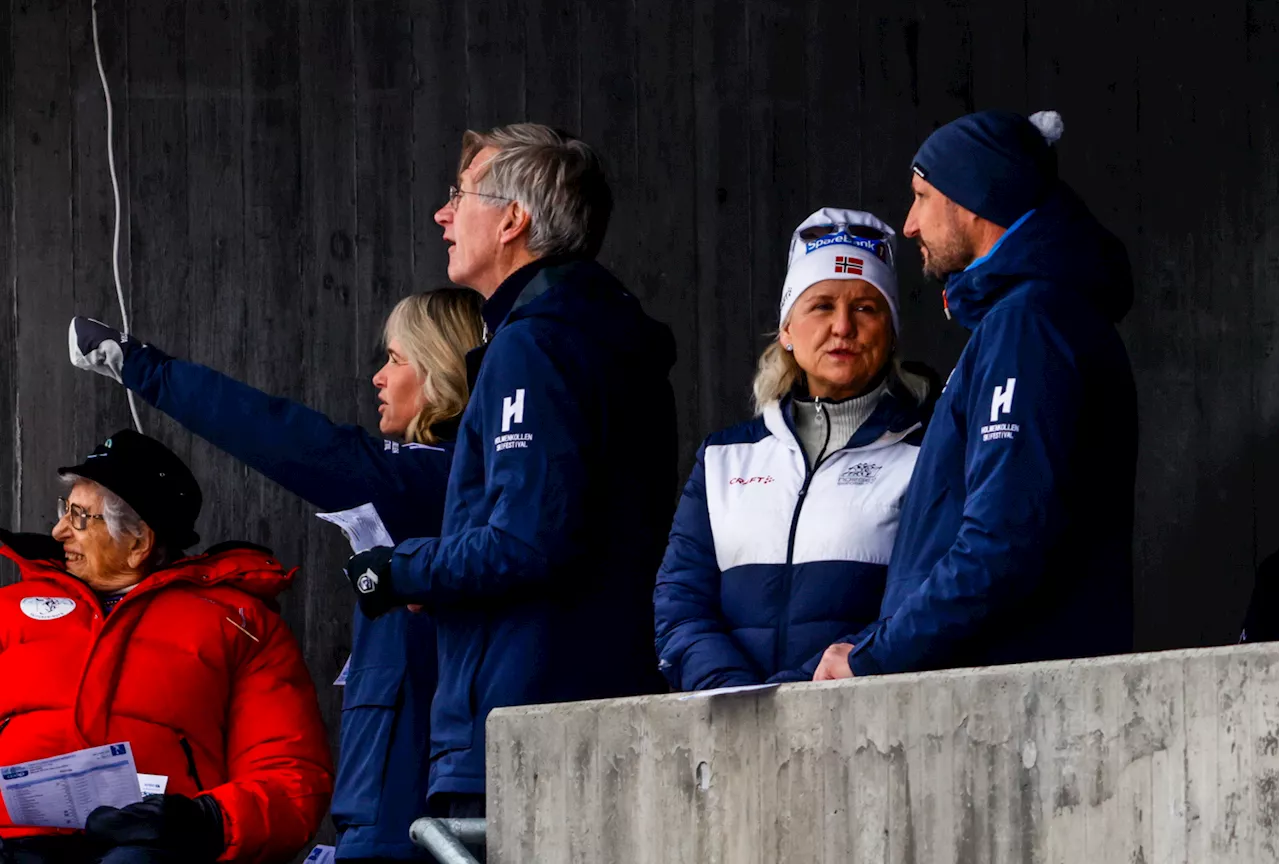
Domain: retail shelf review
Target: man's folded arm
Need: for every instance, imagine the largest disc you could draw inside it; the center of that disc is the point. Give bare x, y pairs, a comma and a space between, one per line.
1023, 418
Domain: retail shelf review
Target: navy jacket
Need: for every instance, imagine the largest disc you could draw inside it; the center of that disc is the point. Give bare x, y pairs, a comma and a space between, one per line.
383, 754
771, 559
1014, 543
561, 492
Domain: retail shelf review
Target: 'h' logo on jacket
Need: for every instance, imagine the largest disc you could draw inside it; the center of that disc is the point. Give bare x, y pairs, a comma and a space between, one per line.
512, 410
1002, 399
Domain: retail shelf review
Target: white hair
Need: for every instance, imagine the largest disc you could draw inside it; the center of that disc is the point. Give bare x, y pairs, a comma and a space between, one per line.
558, 179
120, 518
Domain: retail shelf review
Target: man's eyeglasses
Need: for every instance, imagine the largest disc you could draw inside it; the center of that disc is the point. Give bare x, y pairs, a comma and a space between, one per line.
873, 240
455, 195
79, 516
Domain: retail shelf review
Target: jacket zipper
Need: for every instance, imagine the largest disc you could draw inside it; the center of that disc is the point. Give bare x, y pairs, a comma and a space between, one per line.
784, 624
191, 763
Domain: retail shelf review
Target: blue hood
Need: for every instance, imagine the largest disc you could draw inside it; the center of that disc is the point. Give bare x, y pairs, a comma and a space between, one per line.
1060, 243
584, 295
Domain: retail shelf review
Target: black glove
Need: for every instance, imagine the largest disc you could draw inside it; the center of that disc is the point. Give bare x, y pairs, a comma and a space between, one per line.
370, 575
99, 347
192, 826
43, 849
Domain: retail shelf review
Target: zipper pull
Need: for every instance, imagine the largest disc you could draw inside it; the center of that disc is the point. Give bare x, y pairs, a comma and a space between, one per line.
243, 629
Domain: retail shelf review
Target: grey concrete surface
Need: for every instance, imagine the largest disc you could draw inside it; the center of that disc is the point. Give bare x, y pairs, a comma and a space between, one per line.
1140, 759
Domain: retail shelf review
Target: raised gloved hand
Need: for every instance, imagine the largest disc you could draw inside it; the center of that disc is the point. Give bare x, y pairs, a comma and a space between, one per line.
99, 347
370, 575
192, 826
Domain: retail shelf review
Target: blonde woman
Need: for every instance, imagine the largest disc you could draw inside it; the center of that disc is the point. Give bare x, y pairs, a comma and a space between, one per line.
782, 536
422, 390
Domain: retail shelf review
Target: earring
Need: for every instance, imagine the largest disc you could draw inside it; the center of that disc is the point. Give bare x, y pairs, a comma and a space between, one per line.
790, 347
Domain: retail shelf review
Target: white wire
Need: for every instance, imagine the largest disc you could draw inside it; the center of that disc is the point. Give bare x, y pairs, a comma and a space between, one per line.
115, 193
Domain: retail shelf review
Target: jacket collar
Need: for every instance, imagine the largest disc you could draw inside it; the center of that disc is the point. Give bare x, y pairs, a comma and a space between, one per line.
1059, 243
897, 415
518, 291
972, 291
511, 294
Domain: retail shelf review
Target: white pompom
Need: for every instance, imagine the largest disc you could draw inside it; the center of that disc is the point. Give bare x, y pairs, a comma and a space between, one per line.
1049, 124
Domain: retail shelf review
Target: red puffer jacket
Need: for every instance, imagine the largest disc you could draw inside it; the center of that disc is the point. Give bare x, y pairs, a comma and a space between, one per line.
194, 669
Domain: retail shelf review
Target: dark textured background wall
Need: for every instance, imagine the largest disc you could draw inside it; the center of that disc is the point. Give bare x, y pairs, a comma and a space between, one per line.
282, 161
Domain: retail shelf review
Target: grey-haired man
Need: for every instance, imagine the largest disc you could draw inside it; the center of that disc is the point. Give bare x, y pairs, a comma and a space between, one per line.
563, 482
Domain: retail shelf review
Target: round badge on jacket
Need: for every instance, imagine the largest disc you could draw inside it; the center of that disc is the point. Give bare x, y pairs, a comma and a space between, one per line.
47, 608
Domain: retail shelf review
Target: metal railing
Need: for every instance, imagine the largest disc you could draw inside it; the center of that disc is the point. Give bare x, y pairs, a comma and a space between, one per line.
445, 838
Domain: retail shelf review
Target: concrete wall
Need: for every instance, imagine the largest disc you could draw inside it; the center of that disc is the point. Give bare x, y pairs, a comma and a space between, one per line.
1143, 759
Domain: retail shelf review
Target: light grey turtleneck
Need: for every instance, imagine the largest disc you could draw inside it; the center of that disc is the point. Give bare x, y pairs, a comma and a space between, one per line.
823, 426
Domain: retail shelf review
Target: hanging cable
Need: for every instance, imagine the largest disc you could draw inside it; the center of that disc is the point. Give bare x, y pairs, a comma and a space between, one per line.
115, 193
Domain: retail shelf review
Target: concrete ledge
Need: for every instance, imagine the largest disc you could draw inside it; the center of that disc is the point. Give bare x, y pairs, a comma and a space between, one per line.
1150, 758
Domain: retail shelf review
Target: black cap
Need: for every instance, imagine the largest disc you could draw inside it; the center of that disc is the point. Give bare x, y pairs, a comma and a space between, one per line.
152, 480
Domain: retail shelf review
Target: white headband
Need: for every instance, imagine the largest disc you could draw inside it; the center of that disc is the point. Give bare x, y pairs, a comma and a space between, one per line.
839, 255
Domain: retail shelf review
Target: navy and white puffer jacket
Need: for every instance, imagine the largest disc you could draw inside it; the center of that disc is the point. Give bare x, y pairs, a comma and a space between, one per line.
770, 561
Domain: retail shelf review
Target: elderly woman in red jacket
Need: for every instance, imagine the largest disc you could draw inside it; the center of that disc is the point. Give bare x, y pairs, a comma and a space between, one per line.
114, 635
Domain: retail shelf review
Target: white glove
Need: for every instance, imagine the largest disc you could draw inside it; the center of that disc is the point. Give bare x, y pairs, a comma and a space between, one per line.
99, 347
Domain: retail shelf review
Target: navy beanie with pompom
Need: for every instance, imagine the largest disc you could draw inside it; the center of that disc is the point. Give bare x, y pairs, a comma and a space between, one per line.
997, 164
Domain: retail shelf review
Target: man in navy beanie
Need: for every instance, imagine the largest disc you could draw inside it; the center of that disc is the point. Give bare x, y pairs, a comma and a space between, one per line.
1014, 542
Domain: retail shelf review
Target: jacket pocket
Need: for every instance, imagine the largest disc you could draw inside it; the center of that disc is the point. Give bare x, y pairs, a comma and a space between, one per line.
370, 707
458, 694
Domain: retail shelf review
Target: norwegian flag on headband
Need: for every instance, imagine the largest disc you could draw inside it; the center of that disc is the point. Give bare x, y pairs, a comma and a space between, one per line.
848, 264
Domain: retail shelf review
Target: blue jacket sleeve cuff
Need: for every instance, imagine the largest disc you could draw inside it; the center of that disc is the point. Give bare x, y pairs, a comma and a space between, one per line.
410, 568
862, 663
139, 364
790, 676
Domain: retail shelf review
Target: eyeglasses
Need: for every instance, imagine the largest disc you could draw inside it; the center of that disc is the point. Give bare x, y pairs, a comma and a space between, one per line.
79, 516
455, 195
873, 240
